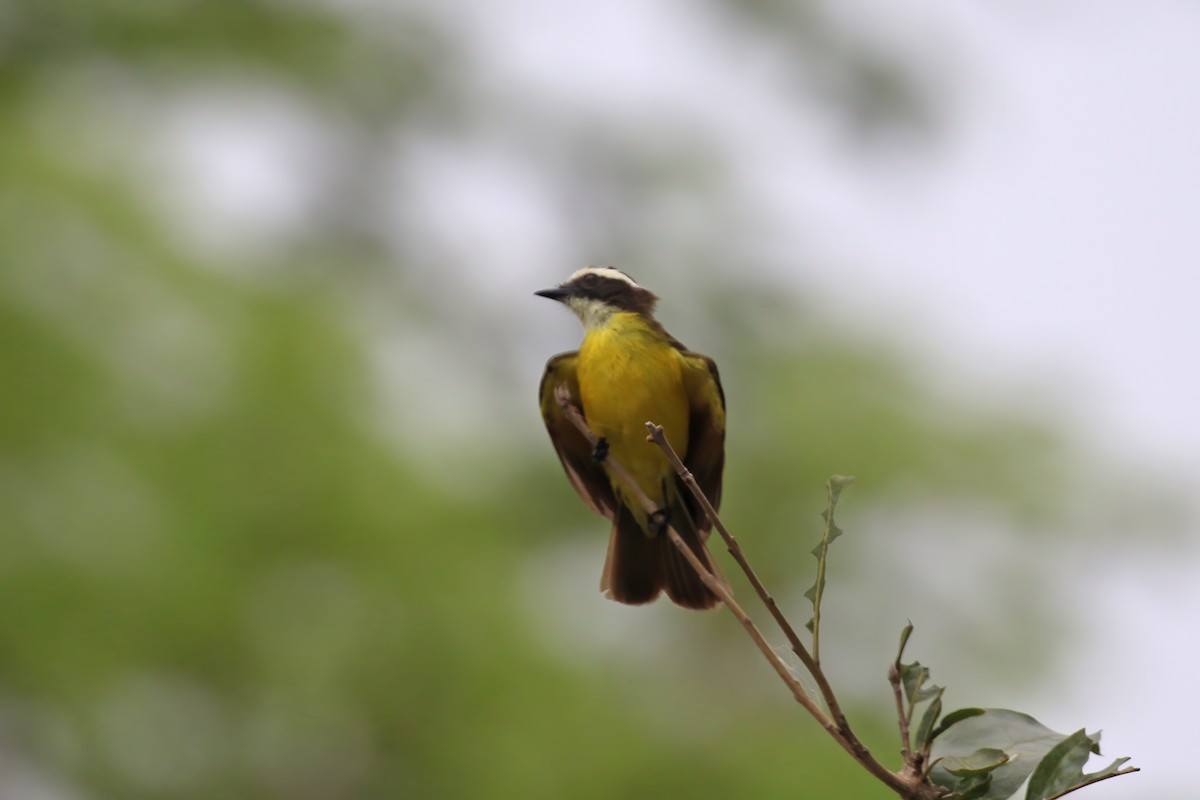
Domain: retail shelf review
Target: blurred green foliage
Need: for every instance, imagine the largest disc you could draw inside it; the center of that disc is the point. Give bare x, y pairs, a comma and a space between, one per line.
221, 577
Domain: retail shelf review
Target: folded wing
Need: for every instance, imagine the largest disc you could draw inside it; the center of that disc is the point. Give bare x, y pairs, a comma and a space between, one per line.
705, 457
585, 474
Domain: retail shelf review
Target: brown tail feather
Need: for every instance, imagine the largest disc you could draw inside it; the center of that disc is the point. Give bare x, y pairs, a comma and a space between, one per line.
683, 584
632, 570
638, 566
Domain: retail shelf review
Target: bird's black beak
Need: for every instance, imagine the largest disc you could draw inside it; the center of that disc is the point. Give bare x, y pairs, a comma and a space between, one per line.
557, 293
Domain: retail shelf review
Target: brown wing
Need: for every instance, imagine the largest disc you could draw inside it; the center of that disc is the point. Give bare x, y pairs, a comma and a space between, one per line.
573, 450
706, 432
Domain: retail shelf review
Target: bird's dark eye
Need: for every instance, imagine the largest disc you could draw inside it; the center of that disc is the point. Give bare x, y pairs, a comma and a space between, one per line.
589, 281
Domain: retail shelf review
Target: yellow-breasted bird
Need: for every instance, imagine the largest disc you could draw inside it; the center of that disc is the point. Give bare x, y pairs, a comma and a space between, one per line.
629, 371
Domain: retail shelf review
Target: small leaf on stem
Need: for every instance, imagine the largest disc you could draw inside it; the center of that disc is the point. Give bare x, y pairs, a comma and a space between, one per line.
1061, 770
925, 729
973, 787
904, 634
833, 491
953, 717
914, 677
1062, 766
980, 762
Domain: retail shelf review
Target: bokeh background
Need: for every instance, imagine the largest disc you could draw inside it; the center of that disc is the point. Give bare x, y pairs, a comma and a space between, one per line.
277, 515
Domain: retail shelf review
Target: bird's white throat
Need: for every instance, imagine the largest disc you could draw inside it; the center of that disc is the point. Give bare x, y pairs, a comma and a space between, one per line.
592, 313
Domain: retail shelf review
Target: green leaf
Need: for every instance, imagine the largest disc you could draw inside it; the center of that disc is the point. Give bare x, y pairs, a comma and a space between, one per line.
981, 762
1092, 777
833, 490
1051, 761
953, 717
973, 787
914, 677
1025, 741
1061, 770
925, 729
904, 634
1062, 767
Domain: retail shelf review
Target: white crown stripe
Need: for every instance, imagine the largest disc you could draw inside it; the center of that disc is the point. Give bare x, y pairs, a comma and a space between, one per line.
605, 272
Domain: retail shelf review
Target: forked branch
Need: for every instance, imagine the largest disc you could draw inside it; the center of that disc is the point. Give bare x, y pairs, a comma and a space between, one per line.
716, 586
908, 783
973, 744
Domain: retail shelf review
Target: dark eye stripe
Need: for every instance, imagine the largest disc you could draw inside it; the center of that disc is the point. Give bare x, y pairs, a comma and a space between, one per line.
604, 288
616, 292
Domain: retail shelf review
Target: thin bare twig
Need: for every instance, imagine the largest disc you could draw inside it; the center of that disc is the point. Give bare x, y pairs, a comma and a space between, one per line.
659, 438
904, 784
735, 549
716, 586
905, 736
894, 676
911, 782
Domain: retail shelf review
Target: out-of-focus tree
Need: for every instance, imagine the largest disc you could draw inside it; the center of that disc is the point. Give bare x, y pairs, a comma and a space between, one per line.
237, 563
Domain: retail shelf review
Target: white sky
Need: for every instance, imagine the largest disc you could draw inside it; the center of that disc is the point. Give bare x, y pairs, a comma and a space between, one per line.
1063, 230
1061, 225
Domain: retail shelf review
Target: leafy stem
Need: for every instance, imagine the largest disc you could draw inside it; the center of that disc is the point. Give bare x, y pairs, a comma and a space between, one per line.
983, 754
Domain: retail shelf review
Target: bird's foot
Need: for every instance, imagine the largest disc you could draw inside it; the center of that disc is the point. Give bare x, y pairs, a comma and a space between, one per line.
660, 518
600, 451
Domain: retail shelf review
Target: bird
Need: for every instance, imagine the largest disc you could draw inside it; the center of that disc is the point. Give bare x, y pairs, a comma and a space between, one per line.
629, 371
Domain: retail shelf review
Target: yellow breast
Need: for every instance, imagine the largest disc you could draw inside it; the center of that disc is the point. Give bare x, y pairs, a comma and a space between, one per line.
630, 374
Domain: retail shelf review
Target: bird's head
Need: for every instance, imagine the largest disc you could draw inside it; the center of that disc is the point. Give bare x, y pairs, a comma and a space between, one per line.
596, 293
